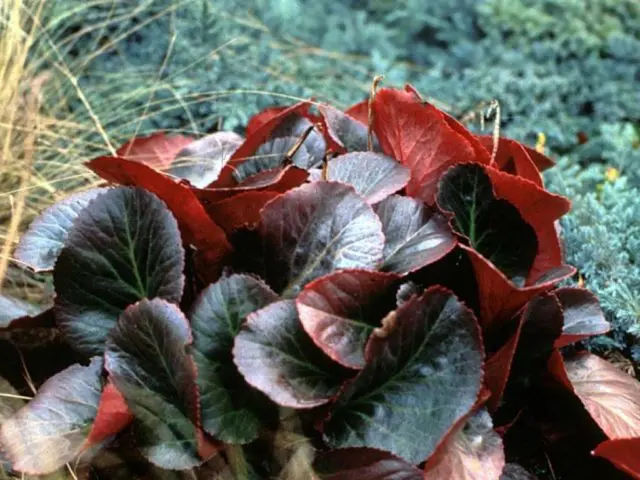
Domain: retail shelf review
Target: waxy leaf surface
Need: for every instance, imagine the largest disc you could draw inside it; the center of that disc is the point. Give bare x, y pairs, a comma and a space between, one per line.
582, 315
347, 132
363, 464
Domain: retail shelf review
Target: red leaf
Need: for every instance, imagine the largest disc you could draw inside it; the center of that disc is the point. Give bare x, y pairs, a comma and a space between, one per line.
157, 150
474, 452
195, 225
359, 111
500, 299
113, 416
540, 209
624, 453
419, 136
265, 116
556, 367
513, 158
611, 397
260, 132
239, 211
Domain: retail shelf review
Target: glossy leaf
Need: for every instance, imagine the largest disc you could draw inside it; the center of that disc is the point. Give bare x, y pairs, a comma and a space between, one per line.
493, 227
17, 313
415, 235
474, 452
423, 374
582, 315
363, 464
623, 453
242, 210
315, 229
298, 125
231, 410
418, 136
200, 162
40, 245
52, 429
375, 176
124, 247
347, 132
611, 396
147, 362
157, 150
340, 310
276, 356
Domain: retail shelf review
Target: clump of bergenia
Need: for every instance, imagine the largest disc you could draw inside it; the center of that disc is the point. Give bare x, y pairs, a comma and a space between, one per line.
368, 294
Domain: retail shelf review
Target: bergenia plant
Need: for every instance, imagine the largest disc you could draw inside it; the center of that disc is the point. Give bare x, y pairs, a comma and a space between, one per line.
368, 294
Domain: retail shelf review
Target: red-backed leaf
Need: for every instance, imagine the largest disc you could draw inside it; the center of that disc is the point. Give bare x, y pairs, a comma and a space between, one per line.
231, 410
540, 209
555, 366
125, 246
277, 180
540, 162
474, 452
200, 162
112, 416
16, 313
340, 310
423, 375
482, 154
498, 367
624, 453
499, 298
157, 150
239, 211
415, 235
147, 361
315, 229
513, 158
418, 136
276, 356
40, 245
359, 112
195, 225
611, 397
260, 131
52, 429
375, 176
492, 226
345, 133
583, 316
363, 464
261, 118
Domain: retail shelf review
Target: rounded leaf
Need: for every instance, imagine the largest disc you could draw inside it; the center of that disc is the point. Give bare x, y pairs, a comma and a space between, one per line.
275, 355
125, 246
423, 375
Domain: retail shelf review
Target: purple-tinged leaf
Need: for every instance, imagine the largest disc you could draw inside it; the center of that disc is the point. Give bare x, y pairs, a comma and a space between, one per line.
148, 363
474, 452
493, 227
346, 131
41, 244
231, 410
276, 356
375, 176
52, 429
316, 229
415, 235
297, 125
200, 162
363, 464
16, 313
423, 375
582, 315
125, 246
340, 310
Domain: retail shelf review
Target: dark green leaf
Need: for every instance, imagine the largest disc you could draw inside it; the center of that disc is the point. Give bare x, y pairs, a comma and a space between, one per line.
124, 247
276, 356
315, 229
40, 246
147, 361
52, 429
375, 176
423, 374
231, 410
340, 310
415, 235
493, 227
